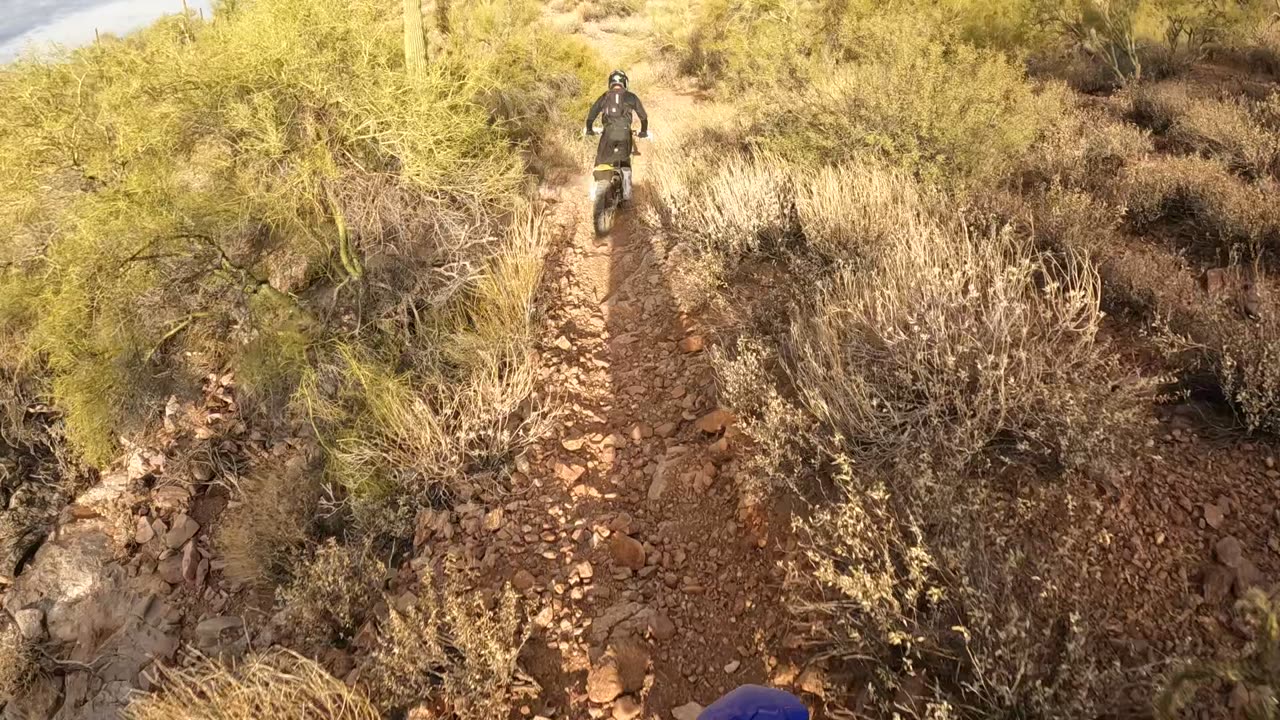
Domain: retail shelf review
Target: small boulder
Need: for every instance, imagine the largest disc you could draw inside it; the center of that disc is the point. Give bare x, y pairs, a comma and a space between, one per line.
627, 708
627, 551
523, 580
190, 561
661, 627
184, 528
813, 681
688, 711
1229, 551
693, 344
633, 661
30, 622
715, 421
604, 681
1214, 515
144, 532
170, 569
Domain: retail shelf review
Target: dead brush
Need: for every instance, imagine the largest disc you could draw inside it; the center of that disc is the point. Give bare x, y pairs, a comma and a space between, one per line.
917, 594
267, 530
454, 648
1086, 149
1224, 129
946, 340
276, 685
19, 659
333, 594
1213, 208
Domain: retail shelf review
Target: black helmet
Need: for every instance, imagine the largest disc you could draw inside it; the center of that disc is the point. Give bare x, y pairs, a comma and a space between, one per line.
617, 77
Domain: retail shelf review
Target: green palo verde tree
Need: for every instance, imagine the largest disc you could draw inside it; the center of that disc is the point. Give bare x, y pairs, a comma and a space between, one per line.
206, 194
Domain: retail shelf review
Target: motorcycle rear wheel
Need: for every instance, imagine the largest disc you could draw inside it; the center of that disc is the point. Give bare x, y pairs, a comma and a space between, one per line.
605, 206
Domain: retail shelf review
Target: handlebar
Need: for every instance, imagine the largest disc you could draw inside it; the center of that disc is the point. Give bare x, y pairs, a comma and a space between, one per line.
646, 136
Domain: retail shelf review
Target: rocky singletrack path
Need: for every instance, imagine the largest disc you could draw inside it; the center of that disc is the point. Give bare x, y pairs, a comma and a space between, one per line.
656, 585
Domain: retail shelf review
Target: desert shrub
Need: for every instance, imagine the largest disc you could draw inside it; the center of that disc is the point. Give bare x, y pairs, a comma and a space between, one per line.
440, 400
18, 660
454, 648
1014, 26
1223, 129
931, 608
1261, 49
924, 361
594, 10
528, 74
1087, 149
1245, 363
739, 45
1196, 26
943, 341
1107, 30
276, 685
954, 114
267, 530
1256, 670
1204, 199
333, 594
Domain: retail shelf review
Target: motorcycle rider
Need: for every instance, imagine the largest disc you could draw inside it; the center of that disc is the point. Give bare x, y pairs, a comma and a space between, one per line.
617, 106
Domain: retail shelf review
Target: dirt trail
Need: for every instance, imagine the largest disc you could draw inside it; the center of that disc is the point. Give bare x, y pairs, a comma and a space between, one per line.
634, 539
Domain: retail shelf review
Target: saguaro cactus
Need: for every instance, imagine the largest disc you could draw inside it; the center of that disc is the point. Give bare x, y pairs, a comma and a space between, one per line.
415, 39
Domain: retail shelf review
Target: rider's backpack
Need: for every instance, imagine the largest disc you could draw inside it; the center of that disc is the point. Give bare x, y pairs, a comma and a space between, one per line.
616, 109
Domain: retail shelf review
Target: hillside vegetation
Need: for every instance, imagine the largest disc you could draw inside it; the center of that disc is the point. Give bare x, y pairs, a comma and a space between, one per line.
282, 198
946, 382
958, 257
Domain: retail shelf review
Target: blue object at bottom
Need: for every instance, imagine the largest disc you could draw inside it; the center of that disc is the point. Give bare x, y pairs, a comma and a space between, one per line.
753, 702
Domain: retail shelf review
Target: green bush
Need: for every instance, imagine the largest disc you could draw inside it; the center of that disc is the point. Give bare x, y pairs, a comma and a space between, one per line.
193, 186
957, 114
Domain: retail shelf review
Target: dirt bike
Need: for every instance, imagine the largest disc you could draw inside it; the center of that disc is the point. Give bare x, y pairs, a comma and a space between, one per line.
609, 185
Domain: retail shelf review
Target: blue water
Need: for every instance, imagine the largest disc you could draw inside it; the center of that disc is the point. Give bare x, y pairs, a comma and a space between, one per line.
36, 25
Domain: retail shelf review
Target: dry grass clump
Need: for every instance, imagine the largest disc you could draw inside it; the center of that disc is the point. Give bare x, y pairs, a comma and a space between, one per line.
333, 594
1223, 129
595, 10
943, 340
1199, 199
454, 648
446, 398
267, 529
18, 660
276, 685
